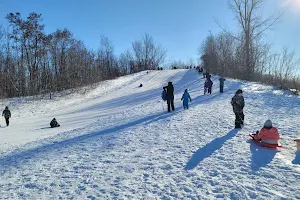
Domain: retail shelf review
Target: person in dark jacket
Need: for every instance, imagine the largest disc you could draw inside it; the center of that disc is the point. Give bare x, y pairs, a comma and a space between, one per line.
170, 96
221, 79
238, 104
209, 84
6, 114
207, 74
54, 123
205, 86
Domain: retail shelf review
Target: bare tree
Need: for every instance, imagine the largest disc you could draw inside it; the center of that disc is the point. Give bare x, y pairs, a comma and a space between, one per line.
32, 62
148, 55
125, 61
252, 27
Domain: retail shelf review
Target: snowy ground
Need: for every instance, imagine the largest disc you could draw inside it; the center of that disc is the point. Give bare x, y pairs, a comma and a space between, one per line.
118, 142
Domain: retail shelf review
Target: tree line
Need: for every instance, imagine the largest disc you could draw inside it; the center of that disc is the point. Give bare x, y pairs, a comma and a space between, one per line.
33, 62
246, 55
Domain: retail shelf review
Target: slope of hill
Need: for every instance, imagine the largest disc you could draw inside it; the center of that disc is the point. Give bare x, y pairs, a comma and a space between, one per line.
118, 142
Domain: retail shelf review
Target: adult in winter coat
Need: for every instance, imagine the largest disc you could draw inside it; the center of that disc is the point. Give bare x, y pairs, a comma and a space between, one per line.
54, 123
238, 104
6, 114
221, 79
186, 97
170, 96
268, 134
205, 86
209, 84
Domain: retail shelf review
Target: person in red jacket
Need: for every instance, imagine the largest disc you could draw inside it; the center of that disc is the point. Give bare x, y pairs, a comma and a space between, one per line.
268, 134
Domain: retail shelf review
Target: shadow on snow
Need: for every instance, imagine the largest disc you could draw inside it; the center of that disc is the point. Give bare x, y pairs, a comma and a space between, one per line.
261, 156
209, 149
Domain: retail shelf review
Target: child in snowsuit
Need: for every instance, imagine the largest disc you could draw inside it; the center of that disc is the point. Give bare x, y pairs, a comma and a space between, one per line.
186, 97
268, 134
54, 123
6, 114
238, 104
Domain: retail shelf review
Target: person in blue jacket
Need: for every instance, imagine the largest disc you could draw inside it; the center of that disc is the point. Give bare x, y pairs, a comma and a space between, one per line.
186, 97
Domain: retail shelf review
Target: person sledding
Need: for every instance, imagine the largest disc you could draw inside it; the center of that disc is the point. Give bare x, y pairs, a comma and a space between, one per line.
268, 135
141, 85
186, 97
238, 104
54, 123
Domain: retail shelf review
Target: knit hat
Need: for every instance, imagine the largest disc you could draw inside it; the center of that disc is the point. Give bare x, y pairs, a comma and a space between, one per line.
268, 123
239, 91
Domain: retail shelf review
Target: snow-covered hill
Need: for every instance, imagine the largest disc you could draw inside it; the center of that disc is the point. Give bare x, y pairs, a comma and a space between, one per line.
118, 142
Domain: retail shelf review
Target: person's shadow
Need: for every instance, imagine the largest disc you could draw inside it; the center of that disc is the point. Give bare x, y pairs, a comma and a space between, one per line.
296, 161
261, 156
209, 149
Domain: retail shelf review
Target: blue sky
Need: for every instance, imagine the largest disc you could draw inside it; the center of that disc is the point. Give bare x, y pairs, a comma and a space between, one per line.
179, 26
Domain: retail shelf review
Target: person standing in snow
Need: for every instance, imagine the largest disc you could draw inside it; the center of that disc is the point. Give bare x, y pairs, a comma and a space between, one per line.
238, 104
205, 86
6, 114
200, 70
186, 97
221, 79
268, 134
170, 96
204, 72
209, 84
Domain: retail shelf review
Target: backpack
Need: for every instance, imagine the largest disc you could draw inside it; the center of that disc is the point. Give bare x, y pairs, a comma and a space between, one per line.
164, 95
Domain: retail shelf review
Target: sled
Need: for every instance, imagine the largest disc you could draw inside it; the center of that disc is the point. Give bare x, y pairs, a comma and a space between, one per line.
297, 143
273, 146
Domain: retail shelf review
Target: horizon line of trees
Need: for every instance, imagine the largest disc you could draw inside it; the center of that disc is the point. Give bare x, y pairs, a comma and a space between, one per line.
246, 55
33, 62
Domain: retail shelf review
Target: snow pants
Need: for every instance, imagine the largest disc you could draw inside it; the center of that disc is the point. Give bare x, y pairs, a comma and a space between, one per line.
221, 88
7, 121
185, 104
170, 104
209, 90
239, 119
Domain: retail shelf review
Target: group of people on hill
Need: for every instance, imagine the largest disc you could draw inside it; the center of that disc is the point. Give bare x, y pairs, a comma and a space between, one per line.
168, 91
7, 114
268, 134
